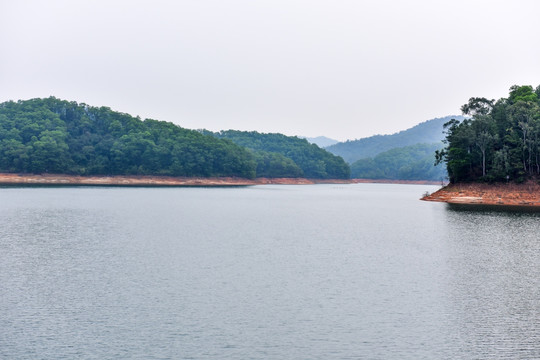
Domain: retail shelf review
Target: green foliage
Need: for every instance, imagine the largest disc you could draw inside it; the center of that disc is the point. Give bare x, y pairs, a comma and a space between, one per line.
428, 132
522, 93
476, 105
278, 155
501, 142
413, 162
56, 136
271, 164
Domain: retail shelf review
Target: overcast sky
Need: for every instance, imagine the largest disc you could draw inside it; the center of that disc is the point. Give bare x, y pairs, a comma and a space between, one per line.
343, 69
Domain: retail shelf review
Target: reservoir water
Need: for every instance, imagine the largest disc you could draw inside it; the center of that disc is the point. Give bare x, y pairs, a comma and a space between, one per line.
364, 271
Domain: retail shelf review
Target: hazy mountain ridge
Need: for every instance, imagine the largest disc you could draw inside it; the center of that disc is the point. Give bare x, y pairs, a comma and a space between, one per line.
427, 132
413, 162
321, 141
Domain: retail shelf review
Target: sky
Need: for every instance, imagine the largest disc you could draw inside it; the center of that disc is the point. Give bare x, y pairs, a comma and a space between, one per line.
339, 68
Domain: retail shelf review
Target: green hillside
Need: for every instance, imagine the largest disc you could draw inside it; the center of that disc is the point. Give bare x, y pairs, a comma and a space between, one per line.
428, 132
62, 137
57, 136
274, 153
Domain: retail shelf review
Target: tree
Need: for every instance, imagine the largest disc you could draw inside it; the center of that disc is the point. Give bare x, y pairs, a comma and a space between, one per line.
477, 106
50, 152
483, 136
522, 93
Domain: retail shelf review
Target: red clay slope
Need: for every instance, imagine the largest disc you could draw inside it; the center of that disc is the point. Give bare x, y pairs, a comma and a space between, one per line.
527, 194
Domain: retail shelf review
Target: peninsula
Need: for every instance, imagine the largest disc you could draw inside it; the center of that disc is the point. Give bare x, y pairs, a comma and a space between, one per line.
493, 157
527, 194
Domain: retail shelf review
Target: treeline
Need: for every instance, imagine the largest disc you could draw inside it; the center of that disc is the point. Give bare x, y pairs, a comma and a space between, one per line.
413, 162
500, 142
289, 156
62, 137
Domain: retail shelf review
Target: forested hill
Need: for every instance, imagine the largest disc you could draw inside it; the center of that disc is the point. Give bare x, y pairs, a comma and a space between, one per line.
57, 136
62, 137
278, 153
501, 142
428, 132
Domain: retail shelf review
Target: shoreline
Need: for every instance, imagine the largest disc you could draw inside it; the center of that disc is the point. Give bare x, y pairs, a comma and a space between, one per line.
526, 194
152, 180
143, 180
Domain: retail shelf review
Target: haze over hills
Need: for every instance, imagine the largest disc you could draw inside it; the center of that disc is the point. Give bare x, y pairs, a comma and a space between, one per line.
321, 141
413, 162
427, 132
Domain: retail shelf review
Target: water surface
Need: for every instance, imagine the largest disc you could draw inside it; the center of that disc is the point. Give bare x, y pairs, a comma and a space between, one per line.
264, 272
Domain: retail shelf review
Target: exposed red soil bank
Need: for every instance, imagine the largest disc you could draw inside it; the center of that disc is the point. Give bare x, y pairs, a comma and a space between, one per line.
50, 179
527, 194
59, 179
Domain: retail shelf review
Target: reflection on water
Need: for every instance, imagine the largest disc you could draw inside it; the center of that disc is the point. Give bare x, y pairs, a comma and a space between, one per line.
494, 208
318, 272
494, 288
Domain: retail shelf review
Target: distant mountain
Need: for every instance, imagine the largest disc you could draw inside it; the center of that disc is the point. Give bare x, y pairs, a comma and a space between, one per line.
321, 141
414, 162
428, 132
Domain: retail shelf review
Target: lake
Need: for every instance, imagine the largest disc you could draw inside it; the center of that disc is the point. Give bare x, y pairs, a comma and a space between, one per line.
363, 271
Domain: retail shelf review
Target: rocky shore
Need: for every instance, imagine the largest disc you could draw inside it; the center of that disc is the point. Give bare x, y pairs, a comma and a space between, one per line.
527, 194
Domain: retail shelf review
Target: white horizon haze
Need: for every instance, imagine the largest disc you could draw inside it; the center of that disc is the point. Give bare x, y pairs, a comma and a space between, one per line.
341, 69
